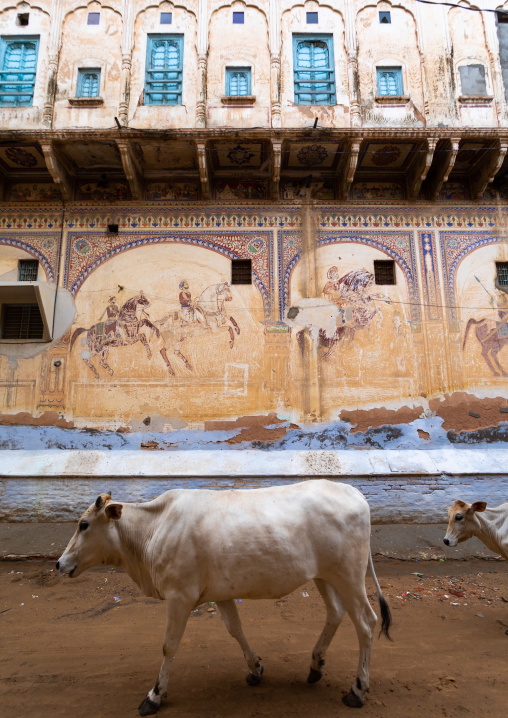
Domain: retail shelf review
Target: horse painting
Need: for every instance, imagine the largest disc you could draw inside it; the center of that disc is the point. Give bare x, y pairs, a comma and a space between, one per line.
209, 318
492, 336
129, 325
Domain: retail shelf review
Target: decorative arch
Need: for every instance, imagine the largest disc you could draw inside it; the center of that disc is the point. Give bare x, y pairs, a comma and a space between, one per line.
23, 242
87, 251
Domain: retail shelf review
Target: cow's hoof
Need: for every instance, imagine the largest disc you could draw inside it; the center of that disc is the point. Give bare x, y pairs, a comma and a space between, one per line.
148, 707
352, 700
254, 679
314, 676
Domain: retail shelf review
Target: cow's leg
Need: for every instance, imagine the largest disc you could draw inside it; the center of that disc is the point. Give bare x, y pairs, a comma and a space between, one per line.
230, 616
334, 614
357, 605
178, 613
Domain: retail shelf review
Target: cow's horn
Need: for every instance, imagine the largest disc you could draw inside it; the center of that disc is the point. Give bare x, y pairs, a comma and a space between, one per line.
99, 501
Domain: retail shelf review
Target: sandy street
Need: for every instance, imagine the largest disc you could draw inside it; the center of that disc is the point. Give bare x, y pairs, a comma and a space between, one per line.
91, 647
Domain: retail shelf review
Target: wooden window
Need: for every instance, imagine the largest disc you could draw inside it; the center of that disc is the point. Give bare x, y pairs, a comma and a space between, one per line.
384, 271
314, 76
389, 81
89, 82
22, 321
238, 18
312, 18
28, 270
18, 65
164, 70
94, 18
241, 271
166, 18
238, 81
502, 273
385, 18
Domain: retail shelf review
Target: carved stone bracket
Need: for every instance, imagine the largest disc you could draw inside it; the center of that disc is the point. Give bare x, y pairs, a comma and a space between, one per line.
131, 168
347, 169
444, 160
420, 168
203, 170
488, 168
276, 163
58, 170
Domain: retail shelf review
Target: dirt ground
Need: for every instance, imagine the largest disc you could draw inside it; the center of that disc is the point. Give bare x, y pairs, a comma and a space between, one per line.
91, 647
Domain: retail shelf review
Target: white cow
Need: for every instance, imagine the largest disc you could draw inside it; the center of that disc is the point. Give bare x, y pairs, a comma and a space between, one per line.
191, 546
489, 525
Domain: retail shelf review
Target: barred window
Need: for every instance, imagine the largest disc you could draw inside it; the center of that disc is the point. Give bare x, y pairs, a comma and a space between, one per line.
28, 270
164, 70
502, 273
314, 76
22, 321
241, 271
384, 271
238, 81
18, 65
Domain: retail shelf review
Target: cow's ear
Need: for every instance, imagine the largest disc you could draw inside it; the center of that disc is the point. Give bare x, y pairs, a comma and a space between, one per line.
114, 511
479, 506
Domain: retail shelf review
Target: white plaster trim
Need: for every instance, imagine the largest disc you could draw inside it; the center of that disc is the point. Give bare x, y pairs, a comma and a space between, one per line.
250, 463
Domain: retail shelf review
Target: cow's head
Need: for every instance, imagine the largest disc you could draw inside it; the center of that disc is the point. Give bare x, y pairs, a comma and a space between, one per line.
95, 540
462, 521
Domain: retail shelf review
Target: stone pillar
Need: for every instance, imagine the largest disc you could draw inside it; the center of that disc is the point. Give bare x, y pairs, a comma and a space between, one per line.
53, 54
352, 64
275, 49
123, 106
202, 48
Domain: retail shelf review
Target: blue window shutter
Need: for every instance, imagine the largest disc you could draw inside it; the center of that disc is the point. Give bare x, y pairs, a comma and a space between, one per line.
164, 70
238, 81
389, 81
314, 75
18, 66
89, 82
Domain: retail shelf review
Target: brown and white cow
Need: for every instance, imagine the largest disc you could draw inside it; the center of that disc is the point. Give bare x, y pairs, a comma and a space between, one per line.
489, 525
192, 546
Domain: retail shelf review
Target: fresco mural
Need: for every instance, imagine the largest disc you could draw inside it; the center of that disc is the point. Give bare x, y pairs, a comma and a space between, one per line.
173, 190
318, 190
241, 189
453, 191
103, 190
377, 190
34, 192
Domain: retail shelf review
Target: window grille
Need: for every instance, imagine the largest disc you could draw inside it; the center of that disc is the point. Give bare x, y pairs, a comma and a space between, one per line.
389, 81
241, 271
89, 82
164, 70
22, 321
238, 18
312, 18
385, 18
238, 81
94, 18
314, 76
18, 64
28, 270
502, 273
384, 271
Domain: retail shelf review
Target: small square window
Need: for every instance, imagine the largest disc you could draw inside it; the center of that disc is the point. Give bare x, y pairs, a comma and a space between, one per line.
93, 18
241, 271
22, 19
502, 16
166, 18
502, 273
113, 228
27, 270
89, 82
312, 18
384, 271
385, 18
389, 81
22, 321
238, 81
238, 18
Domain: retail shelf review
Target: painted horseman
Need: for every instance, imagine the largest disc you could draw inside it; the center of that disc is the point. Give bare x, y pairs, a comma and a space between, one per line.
186, 308
112, 328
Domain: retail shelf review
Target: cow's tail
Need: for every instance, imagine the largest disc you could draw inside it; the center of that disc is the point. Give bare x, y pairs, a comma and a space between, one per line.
386, 616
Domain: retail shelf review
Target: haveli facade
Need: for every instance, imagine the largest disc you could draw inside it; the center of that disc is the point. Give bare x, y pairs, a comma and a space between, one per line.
248, 217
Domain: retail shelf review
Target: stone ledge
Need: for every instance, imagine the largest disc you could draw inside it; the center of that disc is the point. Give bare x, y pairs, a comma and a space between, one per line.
238, 100
477, 100
86, 101
392, 99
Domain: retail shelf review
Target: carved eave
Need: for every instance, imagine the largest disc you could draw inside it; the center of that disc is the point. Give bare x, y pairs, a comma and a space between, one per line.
347, 168
444, 161
420, 167
131, 168
204, 175
58, 170
487, 169
276, 164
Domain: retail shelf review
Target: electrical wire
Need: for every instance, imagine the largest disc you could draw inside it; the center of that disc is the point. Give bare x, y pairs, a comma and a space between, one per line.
463, 7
